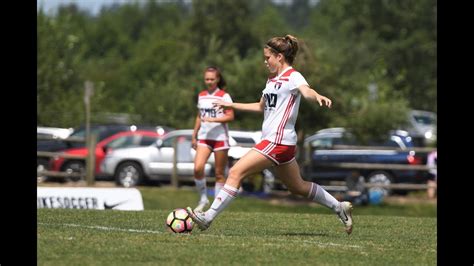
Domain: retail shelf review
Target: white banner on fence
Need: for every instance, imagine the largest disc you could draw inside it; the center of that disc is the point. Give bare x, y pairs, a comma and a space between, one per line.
129, 199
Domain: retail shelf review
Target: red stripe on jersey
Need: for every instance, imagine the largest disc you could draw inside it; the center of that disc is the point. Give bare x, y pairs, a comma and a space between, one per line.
282, 122
286, 114
210, 97
203, 93
288, 72
220, 93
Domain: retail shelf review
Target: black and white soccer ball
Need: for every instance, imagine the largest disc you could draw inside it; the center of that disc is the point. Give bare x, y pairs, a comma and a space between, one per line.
178, 221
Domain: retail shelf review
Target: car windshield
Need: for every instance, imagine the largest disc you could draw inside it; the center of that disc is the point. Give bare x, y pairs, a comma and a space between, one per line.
328, 141
125, 141
102, 131
387, 143
322, 143
243, 141
424, 120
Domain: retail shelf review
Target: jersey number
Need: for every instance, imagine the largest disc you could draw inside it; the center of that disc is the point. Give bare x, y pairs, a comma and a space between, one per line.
271, 99
208, 112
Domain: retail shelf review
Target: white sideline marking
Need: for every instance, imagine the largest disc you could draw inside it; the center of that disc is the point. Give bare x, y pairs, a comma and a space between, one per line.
206, 235
330, 244
106, 228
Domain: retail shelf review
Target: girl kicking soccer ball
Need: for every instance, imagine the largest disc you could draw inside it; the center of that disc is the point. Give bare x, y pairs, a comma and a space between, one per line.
279, 103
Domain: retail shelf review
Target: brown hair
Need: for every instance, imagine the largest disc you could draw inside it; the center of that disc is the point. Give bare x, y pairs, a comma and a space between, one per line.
288, 46
221, 84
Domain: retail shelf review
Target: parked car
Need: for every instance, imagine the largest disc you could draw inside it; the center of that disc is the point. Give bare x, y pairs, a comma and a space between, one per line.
323, 155
422, 127
101, 130
53, 132
132, 166
119, 140
241, 142
73, 140
48, 134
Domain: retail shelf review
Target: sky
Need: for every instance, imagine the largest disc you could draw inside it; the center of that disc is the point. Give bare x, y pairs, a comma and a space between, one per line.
94, 6
50, 6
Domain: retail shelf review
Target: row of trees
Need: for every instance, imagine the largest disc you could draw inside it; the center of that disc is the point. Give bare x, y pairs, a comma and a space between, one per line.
374, 58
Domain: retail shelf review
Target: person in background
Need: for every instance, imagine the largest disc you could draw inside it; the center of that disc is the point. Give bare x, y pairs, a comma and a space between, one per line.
211, 133
432, 161
279, 104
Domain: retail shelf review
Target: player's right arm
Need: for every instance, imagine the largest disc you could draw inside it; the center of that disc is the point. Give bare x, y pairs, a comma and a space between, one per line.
197, 125
251, 107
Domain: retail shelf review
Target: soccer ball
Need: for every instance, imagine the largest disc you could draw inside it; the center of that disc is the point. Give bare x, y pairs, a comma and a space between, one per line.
178, 221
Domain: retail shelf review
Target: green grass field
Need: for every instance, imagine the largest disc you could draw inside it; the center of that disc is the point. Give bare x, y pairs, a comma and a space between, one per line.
251, 231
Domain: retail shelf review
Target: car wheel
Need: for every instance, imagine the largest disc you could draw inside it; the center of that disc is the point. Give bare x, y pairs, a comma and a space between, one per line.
41, 165
74, 167
129, 174
381, 178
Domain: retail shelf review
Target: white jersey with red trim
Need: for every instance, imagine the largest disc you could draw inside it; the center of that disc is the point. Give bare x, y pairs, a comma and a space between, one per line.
282, 101
212, 130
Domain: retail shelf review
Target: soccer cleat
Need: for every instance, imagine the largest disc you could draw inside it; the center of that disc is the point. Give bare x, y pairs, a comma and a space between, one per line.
198, 218
201, 205
345, 215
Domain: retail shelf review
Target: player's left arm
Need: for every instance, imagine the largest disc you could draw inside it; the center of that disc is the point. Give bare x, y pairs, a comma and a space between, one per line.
312, 96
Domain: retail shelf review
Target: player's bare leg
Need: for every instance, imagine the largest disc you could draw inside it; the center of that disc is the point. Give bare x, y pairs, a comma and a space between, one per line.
202, 155
251, 163
221, 161
289, 174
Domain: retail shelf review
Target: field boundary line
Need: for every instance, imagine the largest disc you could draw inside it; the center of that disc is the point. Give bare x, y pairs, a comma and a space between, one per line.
106, 228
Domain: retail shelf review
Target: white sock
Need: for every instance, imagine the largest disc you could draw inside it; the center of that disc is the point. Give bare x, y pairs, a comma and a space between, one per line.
217, 188
201, 188
225, 196
321, 196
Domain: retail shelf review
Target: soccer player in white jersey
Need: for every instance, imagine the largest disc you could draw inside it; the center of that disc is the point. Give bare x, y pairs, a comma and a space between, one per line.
211, 133
279, 102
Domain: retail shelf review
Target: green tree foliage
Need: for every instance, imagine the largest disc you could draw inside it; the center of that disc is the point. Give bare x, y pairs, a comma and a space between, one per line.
59, 83
393, 40
228, 21
147, 59
376, 42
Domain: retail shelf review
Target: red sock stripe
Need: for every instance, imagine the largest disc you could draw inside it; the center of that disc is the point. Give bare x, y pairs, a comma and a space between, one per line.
230, 192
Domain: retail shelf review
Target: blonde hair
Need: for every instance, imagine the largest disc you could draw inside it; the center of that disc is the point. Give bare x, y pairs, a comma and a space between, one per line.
288, 46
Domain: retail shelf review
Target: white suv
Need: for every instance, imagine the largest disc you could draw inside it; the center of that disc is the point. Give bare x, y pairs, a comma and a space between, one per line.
53, 132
